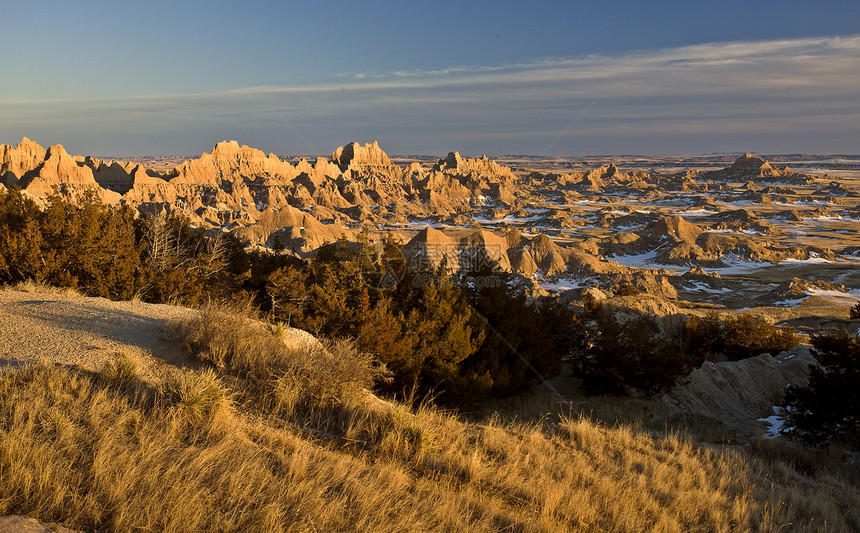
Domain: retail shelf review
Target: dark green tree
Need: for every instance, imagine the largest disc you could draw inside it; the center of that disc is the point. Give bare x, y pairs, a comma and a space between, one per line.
828, 409
634, 355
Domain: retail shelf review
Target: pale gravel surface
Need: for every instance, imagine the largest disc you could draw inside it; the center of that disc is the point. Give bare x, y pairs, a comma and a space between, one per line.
87, 332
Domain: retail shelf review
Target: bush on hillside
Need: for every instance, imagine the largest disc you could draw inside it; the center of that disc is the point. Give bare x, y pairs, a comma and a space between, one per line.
745, 335
180, 264
630, 356
438, 333
102, 251
525, 341
234, 341
88, 246
737, 337
828, 409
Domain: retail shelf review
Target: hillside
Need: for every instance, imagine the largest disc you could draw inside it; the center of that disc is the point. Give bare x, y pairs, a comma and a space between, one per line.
193, 450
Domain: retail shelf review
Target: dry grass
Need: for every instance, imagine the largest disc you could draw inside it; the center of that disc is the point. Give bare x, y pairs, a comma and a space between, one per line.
122, 368
643, 414
201, 453
235, 342
33, 286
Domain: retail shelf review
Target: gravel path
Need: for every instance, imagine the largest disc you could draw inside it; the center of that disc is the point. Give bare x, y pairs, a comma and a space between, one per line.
86, 332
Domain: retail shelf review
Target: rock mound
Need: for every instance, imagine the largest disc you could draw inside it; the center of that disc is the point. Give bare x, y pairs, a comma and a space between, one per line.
749, 167
432, 249
25, 524
228, 162
17, 161
356, 156
291, 229
43, 172
670, 229
740, 392
482, 166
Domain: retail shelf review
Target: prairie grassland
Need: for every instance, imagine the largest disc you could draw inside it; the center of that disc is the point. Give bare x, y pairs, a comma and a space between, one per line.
270, 443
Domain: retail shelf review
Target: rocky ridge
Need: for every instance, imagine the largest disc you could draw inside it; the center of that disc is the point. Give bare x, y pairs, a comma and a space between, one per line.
541, 225
233, 187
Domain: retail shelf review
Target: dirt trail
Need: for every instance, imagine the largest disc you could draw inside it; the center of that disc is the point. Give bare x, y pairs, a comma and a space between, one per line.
81, 331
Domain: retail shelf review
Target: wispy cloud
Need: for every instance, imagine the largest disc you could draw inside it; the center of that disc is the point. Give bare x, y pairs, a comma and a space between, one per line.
697, 91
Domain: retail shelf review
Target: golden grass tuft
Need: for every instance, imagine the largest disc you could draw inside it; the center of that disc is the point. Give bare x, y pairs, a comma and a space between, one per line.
236, 342
204, 452
121, 368
34, 286
196, 394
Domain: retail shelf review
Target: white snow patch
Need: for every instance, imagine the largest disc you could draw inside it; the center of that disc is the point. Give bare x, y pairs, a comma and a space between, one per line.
775, 422
635, 260
696, 213
738, 265
813, 259
565, 284
846, 296
789, 303
700, 286
507, 220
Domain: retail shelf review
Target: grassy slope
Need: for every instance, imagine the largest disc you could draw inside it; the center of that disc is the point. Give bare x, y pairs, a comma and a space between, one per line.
258, 452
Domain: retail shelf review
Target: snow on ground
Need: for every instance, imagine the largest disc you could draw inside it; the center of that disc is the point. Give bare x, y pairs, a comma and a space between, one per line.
507, 220
848, 297
738, 265
636, 260
695, 213
734, 232
566, 284
826, 218
700, 286
775, 422
789, 303
814, 258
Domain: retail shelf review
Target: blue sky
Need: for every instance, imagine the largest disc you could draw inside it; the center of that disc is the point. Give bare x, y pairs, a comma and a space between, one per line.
567, 78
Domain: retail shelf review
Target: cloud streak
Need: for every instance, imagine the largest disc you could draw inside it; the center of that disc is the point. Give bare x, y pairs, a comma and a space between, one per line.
712, 95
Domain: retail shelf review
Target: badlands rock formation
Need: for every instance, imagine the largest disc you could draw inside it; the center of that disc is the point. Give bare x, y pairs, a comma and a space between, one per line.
235, 187
42, 172
751, 168
738, 393
573, 227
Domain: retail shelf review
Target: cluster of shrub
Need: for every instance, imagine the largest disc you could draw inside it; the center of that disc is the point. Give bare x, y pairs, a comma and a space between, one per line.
828, 409
624, 353
438, 333
106, 252
441, 334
